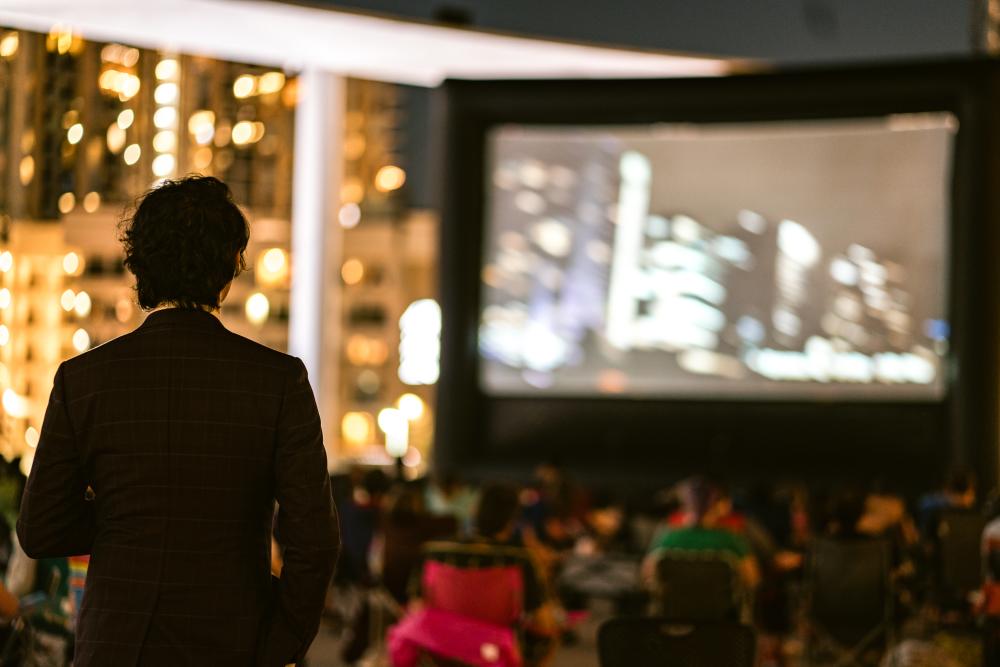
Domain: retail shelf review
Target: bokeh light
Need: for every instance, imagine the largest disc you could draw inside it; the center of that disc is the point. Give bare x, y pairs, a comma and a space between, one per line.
81, 340
349, 216
82, 304
68, 300
244, 86
132, 154
125, 119
357, 427
389, 178
353, 271
257, 308
272, 267
72, 264
411, 405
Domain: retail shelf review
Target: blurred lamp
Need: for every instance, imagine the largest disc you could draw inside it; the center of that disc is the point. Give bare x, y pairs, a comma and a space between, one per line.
81, 340
389, 178
81, 304
72, 264
14, 404
257, 308
67, 300
397, 431
357, 427
411, 405
272, 267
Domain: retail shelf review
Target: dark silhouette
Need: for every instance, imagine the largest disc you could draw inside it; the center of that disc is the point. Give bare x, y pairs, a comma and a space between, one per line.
162, 453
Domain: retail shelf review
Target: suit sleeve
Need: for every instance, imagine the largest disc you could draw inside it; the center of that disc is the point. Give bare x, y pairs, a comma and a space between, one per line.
307, 527
56, 519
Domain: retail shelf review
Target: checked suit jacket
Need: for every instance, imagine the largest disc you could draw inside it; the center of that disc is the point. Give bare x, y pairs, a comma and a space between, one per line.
162, 454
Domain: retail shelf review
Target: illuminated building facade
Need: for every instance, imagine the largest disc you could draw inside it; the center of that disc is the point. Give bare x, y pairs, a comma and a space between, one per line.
90, 126
86, 129
388, 265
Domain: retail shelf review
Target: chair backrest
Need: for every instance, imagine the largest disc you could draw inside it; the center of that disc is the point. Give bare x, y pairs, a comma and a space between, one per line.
959, 537
993, 563
849, 584
493, 594
697, 586
658, 642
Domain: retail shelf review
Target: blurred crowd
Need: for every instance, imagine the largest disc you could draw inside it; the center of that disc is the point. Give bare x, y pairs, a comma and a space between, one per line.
415, 550
440, 566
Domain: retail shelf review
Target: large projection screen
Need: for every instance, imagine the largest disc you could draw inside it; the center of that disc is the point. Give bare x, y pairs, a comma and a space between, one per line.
798, 260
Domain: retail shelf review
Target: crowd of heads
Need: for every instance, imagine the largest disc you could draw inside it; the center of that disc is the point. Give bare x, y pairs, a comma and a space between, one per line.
767, 527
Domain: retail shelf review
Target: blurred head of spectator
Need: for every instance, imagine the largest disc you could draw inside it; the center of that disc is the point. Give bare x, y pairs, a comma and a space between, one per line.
703, 503
406, 503
372, 488
497, 511
604, 525
846, 510
960, 489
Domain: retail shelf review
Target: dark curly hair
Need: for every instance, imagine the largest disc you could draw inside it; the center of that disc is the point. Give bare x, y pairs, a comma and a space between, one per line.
498, 506
184, 241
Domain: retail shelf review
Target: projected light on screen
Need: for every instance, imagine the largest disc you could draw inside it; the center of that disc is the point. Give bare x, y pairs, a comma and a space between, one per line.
782, 260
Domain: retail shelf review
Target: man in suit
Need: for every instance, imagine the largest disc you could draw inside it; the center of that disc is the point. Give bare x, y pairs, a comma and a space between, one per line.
162, 454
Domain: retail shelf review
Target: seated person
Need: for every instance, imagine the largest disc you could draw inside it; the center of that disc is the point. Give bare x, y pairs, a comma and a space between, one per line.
762, 545
405, 528
990, 548
495, 544
408, 525
604, 527
448, 496
703, 509
988, 604
844, 516
958, 493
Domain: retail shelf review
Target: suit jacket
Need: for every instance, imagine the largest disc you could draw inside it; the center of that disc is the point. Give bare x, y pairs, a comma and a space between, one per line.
187, 434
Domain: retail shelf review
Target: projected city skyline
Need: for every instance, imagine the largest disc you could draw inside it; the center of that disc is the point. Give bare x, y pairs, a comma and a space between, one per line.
732, 260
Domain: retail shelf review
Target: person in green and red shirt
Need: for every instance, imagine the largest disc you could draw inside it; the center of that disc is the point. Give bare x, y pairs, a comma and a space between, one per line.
701, 530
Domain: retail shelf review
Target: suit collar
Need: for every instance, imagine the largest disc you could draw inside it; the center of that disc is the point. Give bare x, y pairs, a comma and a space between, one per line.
191, 317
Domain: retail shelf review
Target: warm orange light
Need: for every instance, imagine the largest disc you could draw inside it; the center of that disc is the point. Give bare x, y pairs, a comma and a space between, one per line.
272, 267
244, 86
389, 178
357, 427
353, 271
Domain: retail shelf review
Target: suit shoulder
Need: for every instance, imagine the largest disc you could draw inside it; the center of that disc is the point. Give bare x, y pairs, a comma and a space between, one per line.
263, 353
108, 349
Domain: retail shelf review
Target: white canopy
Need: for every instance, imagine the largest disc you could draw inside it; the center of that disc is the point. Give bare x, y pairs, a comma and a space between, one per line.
297, 37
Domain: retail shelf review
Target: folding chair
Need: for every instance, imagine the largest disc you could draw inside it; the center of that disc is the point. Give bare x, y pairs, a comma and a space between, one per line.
471, 615
658, 642
693, 586
849, 601
958, 558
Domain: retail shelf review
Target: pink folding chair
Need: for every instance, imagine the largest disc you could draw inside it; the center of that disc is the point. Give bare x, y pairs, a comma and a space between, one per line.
470, 618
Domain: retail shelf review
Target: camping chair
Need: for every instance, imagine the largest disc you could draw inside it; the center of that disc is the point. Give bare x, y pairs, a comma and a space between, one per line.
657, 642
849, 601
470, 617
693, 586
958, 558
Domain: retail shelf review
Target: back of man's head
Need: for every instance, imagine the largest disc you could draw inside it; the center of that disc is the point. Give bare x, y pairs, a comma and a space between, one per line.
184, 242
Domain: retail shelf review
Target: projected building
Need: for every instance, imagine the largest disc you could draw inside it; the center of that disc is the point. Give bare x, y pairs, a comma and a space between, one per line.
708, 282
549, 264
